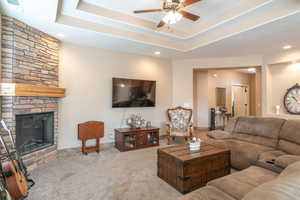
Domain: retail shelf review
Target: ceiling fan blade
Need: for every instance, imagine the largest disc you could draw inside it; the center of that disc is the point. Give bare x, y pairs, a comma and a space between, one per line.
161, 24
189, 15
189, 2
147, 11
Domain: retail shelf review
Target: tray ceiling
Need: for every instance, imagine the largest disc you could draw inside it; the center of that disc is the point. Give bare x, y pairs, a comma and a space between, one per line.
111, 24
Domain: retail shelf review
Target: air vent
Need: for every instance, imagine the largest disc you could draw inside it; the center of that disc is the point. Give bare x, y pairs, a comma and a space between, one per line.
13, 2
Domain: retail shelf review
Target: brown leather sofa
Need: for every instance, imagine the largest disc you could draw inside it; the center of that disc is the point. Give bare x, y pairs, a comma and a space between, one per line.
268, 142
267, 151
253, 183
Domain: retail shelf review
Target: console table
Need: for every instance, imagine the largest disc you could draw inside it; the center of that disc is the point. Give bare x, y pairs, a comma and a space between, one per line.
127, 139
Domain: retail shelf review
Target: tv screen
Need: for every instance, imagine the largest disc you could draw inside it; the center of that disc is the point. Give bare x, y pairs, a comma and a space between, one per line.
133, 93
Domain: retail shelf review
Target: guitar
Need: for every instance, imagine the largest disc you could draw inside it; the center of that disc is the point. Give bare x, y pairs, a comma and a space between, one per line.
16, 182
14, 171
4, 195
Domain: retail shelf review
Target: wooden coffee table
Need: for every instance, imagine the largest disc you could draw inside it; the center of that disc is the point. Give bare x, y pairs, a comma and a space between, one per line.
188, 170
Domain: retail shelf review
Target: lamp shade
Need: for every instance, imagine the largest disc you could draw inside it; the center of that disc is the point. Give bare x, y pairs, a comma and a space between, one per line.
172, 17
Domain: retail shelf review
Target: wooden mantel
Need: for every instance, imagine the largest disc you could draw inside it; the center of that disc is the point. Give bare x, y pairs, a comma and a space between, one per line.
28, 90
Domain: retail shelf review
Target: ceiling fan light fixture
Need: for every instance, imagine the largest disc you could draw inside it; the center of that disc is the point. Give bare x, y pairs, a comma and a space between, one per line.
172, 17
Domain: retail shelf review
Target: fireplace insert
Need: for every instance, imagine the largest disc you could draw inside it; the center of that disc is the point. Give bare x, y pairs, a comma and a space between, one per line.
34, 132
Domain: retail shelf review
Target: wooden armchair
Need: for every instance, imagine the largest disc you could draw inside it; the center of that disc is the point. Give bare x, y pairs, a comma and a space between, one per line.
179, 124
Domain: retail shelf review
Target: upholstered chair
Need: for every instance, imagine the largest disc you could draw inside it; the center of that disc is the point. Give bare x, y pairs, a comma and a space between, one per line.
179, 124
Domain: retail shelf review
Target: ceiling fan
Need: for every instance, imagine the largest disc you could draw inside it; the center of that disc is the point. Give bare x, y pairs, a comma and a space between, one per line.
173, 10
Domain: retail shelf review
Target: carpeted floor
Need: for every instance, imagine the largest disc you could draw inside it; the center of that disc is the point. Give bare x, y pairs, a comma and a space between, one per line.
110, 175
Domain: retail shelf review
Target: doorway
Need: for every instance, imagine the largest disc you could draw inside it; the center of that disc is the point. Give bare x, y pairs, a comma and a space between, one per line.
240, 100
230, 92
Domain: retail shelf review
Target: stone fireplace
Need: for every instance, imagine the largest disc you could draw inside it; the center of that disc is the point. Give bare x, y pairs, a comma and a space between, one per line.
30, 56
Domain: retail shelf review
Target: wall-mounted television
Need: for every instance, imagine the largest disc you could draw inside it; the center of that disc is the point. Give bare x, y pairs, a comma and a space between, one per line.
133, 93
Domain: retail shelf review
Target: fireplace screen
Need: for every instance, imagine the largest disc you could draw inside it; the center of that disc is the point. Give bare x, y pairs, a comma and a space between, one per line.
34, 132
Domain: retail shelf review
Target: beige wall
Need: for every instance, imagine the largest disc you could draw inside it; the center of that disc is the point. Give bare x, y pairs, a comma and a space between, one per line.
87, 73
183, 77
206, 84
225, 79
201, 100
258, 93
183, 73
283, 76
268, 84
255, 93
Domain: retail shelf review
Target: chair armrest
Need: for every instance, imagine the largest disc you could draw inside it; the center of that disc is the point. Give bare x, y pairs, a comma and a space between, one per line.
286, 160
219, 135
169, 127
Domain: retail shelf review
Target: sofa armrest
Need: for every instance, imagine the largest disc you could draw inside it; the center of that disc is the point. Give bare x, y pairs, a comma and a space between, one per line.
219, 135
286, 160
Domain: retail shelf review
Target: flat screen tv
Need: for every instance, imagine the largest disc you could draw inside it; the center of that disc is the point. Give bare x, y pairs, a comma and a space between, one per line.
133, 93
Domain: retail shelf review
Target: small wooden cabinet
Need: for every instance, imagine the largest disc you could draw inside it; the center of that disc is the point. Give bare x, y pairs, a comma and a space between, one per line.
90, 130
127, 139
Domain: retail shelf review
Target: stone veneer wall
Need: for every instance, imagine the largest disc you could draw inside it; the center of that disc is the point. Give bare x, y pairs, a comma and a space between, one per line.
29, 56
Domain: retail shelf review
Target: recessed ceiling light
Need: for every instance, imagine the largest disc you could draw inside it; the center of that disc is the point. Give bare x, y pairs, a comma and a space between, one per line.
252, 70
14, 2
60, 35
122, 85
157, 52
287, 47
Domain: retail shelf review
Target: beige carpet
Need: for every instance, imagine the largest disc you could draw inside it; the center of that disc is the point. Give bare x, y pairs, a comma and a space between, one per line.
110, 175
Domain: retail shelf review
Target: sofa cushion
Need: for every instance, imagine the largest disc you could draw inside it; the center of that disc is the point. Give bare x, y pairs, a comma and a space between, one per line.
291, 169
289, 137
219, 135
282, 188
270, 155
218, 143
207, 193
240, 183
286, 160
243, 154
289, 147
255, 139
231, 124
263, 131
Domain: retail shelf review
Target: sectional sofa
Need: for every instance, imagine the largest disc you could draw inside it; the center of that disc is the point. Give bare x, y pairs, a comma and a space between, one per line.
269, 142
267, 151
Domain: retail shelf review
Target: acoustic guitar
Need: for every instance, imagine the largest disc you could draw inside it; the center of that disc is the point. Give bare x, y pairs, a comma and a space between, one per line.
4, 195
16, 181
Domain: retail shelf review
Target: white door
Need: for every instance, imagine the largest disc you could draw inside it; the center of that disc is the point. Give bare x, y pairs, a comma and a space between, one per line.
240, 100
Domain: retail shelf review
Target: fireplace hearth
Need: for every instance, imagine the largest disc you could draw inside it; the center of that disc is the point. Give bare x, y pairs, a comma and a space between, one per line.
34, 132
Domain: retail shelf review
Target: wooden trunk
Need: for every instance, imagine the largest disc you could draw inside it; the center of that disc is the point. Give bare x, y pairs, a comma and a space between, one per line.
187, 171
